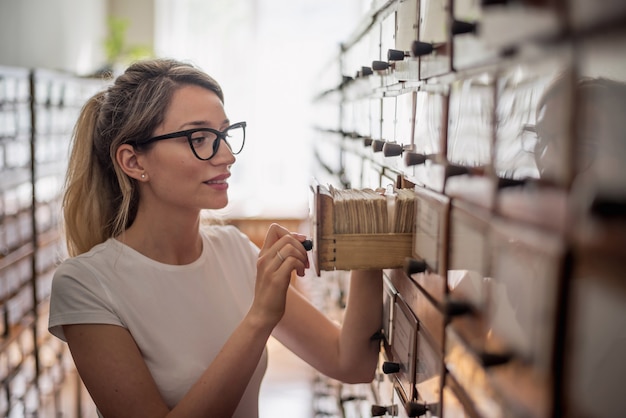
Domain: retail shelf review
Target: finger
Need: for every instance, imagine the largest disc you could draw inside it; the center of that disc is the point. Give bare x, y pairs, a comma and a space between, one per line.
289, 253
290, 264
274, 233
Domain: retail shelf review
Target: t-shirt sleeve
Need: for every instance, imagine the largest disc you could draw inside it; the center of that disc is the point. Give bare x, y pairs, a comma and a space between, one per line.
77, 297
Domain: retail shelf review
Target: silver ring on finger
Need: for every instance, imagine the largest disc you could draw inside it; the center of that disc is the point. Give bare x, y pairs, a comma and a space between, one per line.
279, 255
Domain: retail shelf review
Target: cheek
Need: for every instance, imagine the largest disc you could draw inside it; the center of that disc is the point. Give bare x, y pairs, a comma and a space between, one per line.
172, 168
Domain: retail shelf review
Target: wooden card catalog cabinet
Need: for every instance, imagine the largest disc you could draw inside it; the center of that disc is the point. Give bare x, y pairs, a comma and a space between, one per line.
369, 245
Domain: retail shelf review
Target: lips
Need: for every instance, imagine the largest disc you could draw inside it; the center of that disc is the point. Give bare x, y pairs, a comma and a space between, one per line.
218, 179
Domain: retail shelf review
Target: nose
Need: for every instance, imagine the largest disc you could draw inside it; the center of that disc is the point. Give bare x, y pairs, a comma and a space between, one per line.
223, 155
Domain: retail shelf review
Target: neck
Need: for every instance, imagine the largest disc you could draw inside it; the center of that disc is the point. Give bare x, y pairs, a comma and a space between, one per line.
175, 240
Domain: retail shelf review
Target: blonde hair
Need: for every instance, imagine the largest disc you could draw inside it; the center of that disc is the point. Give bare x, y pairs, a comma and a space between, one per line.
100, 200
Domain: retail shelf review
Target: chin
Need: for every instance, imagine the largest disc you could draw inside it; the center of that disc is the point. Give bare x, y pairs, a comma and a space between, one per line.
217, 205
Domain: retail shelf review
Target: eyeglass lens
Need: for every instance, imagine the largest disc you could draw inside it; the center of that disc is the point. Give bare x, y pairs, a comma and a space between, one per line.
206, 144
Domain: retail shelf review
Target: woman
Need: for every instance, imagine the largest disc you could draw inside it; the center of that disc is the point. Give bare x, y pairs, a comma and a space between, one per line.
164, 317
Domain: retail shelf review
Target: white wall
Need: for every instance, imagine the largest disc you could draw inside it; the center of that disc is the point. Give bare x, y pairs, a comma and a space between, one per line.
57, 34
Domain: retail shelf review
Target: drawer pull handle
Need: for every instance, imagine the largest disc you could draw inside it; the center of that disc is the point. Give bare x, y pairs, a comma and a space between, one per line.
391, 149
414, 409
457, 308
460, 27
412, 158
421, 48
390, 367
377, 145
380, 65
413, 266
364, 72
396, 55
494, 359
379, 410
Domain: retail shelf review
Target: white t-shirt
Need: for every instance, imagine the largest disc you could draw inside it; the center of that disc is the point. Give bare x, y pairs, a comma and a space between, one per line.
179, 316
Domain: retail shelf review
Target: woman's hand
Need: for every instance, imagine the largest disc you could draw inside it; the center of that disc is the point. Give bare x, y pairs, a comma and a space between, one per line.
281, 254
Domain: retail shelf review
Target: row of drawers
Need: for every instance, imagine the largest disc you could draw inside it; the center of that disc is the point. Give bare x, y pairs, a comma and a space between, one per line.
431, 38
38, 109
497, 318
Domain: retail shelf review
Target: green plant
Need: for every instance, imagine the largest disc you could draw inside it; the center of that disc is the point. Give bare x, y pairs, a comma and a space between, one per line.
116, 49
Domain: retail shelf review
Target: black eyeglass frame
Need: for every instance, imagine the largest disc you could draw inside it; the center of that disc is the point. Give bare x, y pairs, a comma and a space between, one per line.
221, 136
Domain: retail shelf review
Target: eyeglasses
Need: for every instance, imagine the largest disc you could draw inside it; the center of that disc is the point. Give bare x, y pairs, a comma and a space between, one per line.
205, 142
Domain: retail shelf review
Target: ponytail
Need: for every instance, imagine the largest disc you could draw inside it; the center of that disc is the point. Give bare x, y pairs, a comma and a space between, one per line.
88, 189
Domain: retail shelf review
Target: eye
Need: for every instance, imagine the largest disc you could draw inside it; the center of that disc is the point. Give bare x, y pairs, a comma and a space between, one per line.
202, 138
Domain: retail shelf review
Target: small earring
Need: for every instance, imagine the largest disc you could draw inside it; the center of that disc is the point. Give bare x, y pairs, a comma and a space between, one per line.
143, 176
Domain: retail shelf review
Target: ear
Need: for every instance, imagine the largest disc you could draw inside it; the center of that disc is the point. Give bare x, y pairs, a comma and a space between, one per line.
129, 162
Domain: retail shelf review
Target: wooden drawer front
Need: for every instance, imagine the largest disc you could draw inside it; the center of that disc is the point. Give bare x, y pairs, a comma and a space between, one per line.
387, 35
468, 254
348, 124
524, 292
383, 383
389, 301
430, 243
596, 338
454, 401
405, 118
361, 52
402, 131
407, 24
470, 119
472, 378
404, 348
431, 320
587, 15
428, 138
361, 126
600, 123
427, 310
533, 106
430, 371
376, 118
470, 49
387, 129
433, 29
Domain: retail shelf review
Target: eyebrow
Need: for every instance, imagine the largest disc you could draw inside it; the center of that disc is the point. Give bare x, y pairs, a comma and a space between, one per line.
202, 123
